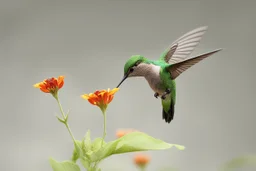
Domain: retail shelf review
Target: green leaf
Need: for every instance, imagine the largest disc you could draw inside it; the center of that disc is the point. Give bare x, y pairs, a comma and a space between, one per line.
105, 151
66, 117
97, 143
87, 140
75, 156
61, 120
140, 141
239, 162
85, 162
78, 152
87, 145
134, 141
63, 166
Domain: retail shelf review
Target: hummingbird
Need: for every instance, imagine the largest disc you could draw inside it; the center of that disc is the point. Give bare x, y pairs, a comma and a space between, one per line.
162, 73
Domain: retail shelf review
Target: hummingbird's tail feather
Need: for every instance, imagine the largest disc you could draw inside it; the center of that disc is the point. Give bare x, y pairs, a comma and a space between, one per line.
168, 110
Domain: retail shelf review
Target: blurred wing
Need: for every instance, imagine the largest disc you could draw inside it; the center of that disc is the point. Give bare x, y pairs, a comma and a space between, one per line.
183, 46
178, 68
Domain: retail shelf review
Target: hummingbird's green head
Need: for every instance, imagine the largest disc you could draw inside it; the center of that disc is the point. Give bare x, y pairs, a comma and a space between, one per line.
131, 66
133, 62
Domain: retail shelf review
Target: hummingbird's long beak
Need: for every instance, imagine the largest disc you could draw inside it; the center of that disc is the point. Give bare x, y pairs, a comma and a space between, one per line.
125, 76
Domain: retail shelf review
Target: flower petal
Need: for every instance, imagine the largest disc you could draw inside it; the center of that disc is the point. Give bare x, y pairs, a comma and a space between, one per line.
85, 96
105, 98
98, 92
110, 98
37, 85
60, 85
113, 91
101, 93
44, 90
92, 101
60, 81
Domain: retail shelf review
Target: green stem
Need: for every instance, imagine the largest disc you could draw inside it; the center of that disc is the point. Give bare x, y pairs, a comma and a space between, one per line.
64, 118
104, 127
142, 168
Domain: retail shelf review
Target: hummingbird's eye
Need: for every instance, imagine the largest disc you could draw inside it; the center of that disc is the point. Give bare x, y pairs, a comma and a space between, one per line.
131, 70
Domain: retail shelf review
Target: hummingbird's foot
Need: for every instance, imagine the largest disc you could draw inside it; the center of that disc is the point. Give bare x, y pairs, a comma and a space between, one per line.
156, 95
167, 91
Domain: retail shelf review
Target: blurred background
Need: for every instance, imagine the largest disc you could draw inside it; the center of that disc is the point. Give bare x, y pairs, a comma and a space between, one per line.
89, 42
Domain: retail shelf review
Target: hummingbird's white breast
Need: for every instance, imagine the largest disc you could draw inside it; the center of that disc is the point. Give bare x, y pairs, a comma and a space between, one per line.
152, 75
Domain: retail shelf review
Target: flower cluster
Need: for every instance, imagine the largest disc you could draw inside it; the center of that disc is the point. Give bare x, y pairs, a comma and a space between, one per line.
51, 85
90, 152
101, 98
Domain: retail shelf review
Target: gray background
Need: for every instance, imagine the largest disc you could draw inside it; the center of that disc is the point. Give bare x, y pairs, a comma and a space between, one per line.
89, 42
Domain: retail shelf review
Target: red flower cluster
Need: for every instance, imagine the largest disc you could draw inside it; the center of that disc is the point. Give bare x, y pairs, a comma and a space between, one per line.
51, 85
101, 98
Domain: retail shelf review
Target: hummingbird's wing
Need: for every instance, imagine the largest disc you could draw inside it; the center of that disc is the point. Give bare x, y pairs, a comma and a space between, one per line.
182, 47
178, 68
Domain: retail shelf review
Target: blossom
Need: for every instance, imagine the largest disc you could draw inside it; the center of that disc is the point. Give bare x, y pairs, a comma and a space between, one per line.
141, 160
51, 85
120, 133
101, 98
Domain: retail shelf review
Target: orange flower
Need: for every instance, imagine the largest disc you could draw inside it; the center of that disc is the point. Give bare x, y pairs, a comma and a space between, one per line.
141, 160
101, 98
120, 133
51, 85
